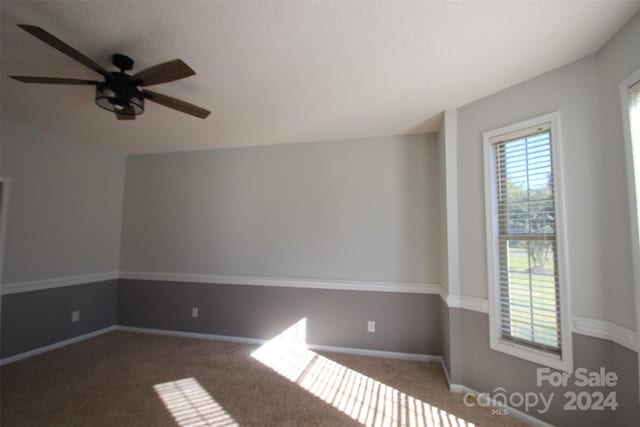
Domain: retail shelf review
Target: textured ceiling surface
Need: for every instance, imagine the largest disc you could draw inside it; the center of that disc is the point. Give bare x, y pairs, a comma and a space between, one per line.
283, 72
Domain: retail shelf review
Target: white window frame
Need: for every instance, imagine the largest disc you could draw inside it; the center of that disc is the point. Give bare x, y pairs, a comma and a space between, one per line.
634, 204
564, 361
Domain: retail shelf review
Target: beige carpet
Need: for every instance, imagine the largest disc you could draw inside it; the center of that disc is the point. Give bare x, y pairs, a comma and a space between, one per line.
127, 379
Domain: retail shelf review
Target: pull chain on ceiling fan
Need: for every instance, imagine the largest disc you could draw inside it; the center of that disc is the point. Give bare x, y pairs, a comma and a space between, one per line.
120, 92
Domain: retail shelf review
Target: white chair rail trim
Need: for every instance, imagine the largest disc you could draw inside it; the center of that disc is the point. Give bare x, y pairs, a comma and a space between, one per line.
581, 325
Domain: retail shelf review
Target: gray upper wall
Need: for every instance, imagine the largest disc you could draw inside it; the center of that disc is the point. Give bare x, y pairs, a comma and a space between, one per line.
360, 210
65, 206
571, 90
595, 190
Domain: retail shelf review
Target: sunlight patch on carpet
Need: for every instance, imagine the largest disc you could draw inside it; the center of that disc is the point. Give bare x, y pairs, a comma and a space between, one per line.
364, 399
191, 405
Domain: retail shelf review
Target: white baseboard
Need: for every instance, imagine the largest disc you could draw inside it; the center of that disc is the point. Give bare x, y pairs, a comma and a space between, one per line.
515, 413
257, 341
446, 371
454, 388
376, 353
512, 412
55, 346
196, 335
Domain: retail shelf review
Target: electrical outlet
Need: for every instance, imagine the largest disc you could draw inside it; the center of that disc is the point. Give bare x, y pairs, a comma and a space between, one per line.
371, 326
194, 312
75, 315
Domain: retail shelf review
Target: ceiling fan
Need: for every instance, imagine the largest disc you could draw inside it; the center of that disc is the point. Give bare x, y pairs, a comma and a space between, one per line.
120, 92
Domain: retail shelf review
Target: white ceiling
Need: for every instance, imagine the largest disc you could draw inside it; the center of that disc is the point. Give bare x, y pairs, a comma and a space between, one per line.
276, 72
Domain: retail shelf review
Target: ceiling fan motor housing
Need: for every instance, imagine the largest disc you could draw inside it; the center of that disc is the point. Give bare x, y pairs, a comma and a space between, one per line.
120, 94
122, 62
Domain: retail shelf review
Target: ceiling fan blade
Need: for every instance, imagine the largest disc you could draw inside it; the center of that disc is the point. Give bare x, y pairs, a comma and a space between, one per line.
176, 104
164, 73
53, 80
127, 114
56, 43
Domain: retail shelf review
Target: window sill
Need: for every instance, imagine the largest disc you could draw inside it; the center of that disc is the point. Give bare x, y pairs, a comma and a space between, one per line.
540, 357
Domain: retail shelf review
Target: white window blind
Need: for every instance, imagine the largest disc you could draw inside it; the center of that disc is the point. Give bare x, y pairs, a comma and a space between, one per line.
528, 294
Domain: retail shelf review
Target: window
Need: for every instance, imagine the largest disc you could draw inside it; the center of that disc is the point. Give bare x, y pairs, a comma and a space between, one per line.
630, 96
527, 279
634, 172
633, 98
